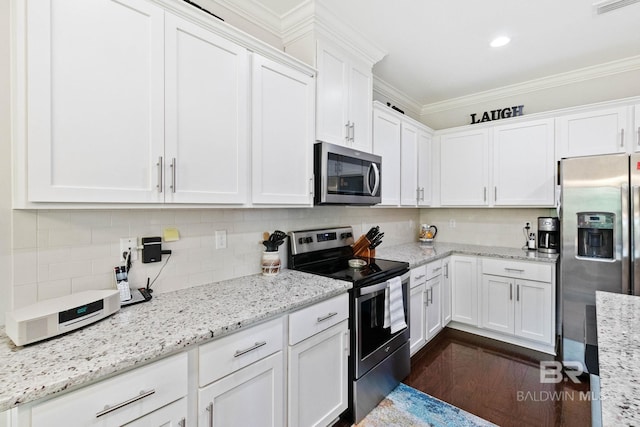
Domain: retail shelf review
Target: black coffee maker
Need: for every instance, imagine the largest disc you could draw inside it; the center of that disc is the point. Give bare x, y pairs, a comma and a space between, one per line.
548, 234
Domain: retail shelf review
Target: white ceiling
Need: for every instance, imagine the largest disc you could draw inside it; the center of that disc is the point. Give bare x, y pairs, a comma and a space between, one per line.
439, 50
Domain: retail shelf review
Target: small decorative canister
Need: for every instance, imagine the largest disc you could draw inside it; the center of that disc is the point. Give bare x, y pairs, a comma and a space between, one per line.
270, 263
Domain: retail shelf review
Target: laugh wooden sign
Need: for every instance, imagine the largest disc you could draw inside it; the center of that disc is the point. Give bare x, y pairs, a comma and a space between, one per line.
501, 113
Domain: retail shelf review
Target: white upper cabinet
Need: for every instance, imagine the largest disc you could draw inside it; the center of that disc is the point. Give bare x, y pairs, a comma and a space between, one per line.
524, 164
464, 168
405, 147
387, 129
95, 100
594, 132
409, 192
283, 124
424, 168
345, 93
206, 116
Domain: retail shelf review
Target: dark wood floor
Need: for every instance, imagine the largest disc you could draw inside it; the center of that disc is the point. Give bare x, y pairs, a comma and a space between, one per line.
498, 382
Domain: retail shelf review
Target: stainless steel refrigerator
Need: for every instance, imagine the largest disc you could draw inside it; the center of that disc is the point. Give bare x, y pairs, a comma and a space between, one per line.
600, 244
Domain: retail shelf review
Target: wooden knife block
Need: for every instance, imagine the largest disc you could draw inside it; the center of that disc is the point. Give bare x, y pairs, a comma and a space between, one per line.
361, 248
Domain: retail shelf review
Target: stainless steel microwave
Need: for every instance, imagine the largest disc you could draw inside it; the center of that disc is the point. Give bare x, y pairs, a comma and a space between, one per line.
344, 176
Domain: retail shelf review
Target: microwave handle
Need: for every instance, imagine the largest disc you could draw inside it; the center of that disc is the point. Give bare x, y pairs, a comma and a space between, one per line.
376, 171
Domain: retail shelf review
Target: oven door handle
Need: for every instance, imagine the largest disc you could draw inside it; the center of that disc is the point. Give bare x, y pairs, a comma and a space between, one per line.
380, 286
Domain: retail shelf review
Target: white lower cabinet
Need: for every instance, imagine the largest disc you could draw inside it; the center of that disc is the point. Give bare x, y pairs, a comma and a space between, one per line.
446, 292
252, 396
518, 301
464, 289
318, 363
122, 399
426, 304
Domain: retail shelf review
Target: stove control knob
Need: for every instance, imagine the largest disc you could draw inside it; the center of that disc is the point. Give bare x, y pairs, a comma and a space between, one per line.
309, 240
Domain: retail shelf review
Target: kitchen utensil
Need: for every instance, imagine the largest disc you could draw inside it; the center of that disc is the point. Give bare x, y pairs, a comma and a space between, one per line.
357, 263
265, 235
427, 232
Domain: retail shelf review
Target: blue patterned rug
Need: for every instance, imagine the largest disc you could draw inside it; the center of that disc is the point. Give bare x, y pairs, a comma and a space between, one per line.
406, 406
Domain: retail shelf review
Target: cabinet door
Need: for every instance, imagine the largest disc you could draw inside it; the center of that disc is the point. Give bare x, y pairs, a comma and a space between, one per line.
283, 121
417, 321
386, 143
533, 311
206, 116
95, 104
446, 292
172, 415
464, 168
252, 396
424, 168
524, 164
318, 374
409, 193
360, 102
333, 97
433, 303
593, 132
497, 303
464, 290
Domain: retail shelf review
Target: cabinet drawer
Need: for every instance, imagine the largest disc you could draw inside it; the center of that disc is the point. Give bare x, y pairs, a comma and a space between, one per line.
418, 276
311, 320
118, 400
434, 269
235, 351
525, 270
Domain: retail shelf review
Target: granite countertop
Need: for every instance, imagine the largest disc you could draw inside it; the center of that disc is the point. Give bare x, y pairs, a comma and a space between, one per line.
618, 317
417, 253
167, 324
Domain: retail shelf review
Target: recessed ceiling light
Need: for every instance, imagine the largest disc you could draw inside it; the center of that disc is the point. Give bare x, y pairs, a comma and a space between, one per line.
500, 41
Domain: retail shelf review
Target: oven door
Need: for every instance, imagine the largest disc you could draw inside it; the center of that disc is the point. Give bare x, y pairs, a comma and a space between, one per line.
346, 176
373, 342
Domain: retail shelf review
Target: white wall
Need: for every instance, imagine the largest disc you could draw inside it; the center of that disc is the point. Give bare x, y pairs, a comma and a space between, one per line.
60, 252
488, 226
5, 163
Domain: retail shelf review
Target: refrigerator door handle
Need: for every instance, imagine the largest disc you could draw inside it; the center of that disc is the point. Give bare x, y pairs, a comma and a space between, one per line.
633, 286
627, 236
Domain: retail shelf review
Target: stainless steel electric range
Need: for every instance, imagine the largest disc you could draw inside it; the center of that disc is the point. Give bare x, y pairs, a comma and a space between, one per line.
379, 359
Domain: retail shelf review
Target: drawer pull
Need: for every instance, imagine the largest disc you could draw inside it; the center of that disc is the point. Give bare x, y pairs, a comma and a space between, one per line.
108, 409
435, 270
517, 270
247, 350
328, 316
182, 422
420, 277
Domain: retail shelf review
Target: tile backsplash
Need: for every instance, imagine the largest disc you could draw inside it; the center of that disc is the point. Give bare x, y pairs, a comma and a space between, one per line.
57, 252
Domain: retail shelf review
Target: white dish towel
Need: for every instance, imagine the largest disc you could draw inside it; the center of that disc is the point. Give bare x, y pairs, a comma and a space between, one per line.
394, 306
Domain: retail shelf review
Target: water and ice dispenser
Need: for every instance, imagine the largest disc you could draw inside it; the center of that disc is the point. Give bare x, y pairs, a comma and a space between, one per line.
595, 235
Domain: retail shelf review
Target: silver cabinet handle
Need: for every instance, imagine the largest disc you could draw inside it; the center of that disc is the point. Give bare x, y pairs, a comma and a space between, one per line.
510, 291
435, 270
160, 165
210, 411
495, 193
639, 136
622, 137
346, 130
419, 277
108, 409
430, 295
182, 423
173, 175
446, 270
518, 293
516, 270
485, 194
327, 317
247, 350
422, 194
352, 133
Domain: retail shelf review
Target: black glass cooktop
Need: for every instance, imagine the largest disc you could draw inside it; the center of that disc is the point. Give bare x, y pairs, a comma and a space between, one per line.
376, 269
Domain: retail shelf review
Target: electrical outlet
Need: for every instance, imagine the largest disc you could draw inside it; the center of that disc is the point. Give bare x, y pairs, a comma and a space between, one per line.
452, 223
221, 239
129, 244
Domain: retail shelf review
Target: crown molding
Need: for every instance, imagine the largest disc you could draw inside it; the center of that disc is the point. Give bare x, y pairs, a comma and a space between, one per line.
562, 79
255, 13
313, 17
397, 96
